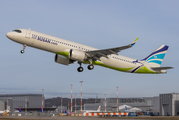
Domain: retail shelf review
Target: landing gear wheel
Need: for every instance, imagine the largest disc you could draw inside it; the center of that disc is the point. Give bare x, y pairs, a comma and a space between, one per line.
22, 51
90, 67
80, 69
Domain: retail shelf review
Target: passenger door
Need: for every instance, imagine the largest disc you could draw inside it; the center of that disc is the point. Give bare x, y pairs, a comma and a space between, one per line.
27, 35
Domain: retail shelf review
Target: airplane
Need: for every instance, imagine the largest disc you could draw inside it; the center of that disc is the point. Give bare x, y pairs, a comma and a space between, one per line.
5, 111
17, 111
67, 52
92, 111
67, 113
126, 109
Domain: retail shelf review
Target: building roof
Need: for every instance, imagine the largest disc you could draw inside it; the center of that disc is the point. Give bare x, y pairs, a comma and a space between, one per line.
17, 95
37, 109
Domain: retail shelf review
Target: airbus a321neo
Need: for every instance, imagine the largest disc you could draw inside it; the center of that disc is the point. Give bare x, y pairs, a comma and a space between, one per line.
68, 52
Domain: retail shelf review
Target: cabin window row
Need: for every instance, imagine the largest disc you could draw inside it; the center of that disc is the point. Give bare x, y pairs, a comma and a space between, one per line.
123, 60
70, 45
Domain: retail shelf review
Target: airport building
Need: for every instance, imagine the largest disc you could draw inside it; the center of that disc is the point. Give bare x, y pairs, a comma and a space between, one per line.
16, 101
164, 104
146, 103
169, 104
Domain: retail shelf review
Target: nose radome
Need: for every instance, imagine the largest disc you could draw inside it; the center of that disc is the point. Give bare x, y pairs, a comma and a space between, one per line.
9, 35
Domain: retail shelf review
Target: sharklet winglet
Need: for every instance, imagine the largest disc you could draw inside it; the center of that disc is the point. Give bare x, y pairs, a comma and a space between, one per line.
133, 43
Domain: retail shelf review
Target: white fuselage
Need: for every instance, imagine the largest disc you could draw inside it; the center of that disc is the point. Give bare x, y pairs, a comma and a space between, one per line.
58, 45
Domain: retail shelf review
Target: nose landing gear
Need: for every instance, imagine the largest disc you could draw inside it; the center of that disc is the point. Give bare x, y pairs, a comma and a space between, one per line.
22, 51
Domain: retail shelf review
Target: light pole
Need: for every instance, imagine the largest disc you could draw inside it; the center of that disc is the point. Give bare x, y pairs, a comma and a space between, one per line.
81, 96
25, 103
117, 99
105, 102
71, 99
61, 104
7, 102
68, 106
75, 104
42, 99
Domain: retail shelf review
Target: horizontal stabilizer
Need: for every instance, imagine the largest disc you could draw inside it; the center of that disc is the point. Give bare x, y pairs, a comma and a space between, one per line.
161, 68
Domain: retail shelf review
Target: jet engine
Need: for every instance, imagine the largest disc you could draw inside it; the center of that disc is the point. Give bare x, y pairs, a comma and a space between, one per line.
62, 60
77, 55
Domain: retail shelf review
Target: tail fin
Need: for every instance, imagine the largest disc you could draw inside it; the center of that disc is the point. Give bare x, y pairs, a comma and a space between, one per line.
41, 110
99, 108
20, 110
157, 56
8, 108
126, 109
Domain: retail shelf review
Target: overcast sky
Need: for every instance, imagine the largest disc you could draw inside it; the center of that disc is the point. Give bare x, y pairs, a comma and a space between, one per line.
97, 23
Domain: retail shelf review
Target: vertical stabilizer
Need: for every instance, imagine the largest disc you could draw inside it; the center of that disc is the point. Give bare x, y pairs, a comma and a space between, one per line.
157, 56
41, 110
20, 110
99, 108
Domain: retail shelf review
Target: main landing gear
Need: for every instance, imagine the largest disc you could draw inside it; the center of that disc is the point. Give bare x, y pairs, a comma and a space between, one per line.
90, 67
80, 69
22, 51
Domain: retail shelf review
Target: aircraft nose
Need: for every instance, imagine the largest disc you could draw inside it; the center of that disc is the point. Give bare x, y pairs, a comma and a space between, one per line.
9, 35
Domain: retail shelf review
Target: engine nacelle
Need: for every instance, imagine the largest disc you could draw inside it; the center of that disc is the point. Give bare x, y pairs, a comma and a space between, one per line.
62, 60
77, 55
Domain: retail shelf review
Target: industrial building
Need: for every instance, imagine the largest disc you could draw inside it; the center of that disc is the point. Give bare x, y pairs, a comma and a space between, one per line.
169, 104
146, 103
164, 104
20, 101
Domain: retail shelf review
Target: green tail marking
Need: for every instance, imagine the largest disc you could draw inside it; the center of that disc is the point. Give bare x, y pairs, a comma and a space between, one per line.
66, 54
115, 68
144, 69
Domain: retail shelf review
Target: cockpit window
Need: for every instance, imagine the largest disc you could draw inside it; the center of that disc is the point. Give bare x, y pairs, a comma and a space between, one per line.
19, 31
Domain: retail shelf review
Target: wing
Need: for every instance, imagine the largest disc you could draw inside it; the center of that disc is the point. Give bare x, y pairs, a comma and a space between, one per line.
96, 54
